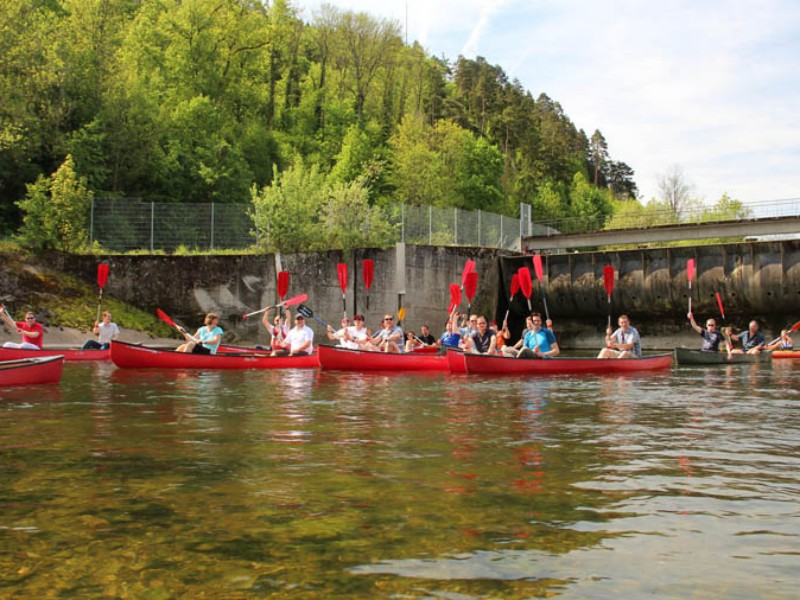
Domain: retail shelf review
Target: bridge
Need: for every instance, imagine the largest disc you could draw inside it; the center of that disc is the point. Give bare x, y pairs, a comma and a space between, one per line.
778, 219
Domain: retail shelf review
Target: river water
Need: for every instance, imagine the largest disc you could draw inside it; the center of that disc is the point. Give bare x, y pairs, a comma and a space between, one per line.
178, 484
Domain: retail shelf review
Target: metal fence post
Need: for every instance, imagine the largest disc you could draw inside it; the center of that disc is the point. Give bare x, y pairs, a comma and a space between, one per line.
479, 227
430, 224
403, 223
455, 226
152, 225
212, 224
91, 227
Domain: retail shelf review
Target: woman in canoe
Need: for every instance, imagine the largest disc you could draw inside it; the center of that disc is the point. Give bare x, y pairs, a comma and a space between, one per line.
278, 328
206, 339
31, 331
785, 342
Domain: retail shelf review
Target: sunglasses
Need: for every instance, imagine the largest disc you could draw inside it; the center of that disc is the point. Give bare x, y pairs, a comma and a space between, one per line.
389, 319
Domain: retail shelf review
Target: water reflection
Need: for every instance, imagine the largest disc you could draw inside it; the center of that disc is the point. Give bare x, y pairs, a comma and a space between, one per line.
337, 485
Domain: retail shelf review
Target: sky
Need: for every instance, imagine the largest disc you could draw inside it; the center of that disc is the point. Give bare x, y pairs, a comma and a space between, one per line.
711, 88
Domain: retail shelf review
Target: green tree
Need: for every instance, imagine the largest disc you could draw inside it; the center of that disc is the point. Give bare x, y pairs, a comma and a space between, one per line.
56, 211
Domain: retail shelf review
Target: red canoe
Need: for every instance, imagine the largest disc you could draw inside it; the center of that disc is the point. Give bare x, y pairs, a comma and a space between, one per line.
786, 354
134, 356
499, 365
69, 354
336, 358
455, 360
29, 371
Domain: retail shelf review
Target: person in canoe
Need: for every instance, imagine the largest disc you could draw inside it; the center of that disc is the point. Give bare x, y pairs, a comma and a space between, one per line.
752, 340
451, 338
785, 342
538, 342
482, 341
31, 330
625, 342
358, 334
206, 339
513, 350
502, 335
299, 340
389, 338
423, 340
343, 335
711, 337
277, 327
106, 330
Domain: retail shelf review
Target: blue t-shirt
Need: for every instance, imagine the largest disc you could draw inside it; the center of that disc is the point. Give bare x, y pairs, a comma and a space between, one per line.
748, 342
450, 339
204, 334
543, 338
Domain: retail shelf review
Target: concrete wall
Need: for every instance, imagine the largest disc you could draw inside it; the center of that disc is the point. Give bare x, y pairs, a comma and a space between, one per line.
756, 280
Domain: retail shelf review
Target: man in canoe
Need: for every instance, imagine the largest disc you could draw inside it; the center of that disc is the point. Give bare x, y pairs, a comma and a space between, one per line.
513, 350
299, 340
538, 341
32, 332
622, 343
206, 339
106, 331
341, 335
711, 337
482, 341
752, 340
389, 338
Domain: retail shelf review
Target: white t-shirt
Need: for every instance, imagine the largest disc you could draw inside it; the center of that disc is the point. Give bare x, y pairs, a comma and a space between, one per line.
343, 342
297, 337
106, 333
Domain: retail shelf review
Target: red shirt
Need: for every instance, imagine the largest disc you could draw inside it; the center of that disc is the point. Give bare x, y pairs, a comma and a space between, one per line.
23, 325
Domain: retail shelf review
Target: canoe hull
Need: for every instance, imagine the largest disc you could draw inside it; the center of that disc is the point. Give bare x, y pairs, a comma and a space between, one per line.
785, 354
455, 361
69, 354
334, 358
500, 365
132, 356
685, 356
31, 371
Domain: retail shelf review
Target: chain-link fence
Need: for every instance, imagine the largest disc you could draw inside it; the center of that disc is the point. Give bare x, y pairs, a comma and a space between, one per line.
123, 225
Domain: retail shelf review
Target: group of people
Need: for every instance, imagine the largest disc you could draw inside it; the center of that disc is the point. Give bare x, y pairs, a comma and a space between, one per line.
32, 332
750, 341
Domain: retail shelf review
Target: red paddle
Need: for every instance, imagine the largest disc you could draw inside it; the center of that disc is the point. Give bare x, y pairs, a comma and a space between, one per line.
368, 267
470, 287
455, 296
290, 302
690, 276
514, 290
537, 266
283, 284
526, 284
166, 318
608, 282
721, 309
469, 267
102, 278
341, 270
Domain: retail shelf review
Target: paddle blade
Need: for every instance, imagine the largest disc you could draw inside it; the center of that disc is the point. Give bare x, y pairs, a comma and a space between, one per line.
471, 285
469, 267
690, 270
341, 271
455, 294
368, 267
401, 314
608, 280
537, 267
102, 275
525, 281
295, 300
719, 303
305, 311
514, 285
283, 284
165, 317
795, 327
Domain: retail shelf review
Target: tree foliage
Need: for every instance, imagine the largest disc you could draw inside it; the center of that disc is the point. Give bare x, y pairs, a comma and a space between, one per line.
200, 100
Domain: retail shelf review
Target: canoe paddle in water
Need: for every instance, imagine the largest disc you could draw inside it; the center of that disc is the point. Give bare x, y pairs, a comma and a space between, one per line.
290, 302
690, 277
514, 290
721, 309
526, 285
307, 313
368, 270
470, 287
341, 271
608, 282
283, 284
102, 278
537, 267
